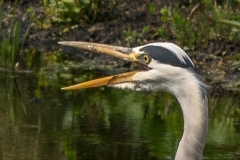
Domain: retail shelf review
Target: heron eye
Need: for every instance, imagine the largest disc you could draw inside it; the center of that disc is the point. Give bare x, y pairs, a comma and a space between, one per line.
146, 58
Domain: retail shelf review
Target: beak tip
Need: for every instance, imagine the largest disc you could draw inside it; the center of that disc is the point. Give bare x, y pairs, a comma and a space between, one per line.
74, 87
64, 88
61, 43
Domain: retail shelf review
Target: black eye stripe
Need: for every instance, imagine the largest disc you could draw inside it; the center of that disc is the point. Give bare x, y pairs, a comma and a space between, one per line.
163, 55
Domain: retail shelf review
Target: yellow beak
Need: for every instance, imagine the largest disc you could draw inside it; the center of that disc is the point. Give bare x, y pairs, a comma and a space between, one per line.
108, 50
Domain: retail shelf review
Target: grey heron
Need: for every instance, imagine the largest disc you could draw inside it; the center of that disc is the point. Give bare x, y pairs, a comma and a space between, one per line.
165, 67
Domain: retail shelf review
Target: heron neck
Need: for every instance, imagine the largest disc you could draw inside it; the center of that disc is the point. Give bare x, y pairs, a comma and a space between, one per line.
195, 113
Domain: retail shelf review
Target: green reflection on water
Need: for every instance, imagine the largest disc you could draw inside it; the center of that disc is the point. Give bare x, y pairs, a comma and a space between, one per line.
39, 120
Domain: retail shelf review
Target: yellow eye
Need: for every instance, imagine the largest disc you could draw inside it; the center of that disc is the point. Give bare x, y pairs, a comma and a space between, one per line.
146, 58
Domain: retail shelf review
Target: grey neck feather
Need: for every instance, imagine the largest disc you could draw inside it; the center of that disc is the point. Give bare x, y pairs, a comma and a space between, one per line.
195, 113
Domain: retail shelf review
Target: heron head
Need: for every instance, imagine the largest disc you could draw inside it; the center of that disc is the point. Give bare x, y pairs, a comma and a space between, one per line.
158, 63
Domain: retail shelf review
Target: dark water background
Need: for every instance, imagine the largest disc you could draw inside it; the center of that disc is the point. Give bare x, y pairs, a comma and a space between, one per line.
40, 121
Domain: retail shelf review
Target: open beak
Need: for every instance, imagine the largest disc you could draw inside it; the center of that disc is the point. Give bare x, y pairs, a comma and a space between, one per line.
115, 51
